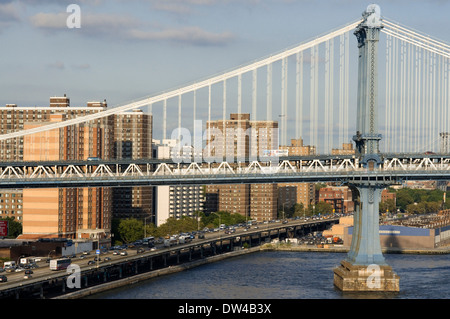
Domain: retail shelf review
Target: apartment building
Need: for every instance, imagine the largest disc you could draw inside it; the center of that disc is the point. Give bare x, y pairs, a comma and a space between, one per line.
175, 201
293, 193
133, 140
70, 212
339, 197
239, 139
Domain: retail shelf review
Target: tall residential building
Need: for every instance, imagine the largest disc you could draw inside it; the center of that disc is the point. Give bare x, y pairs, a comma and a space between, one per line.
236, 140
133, 140
175, 201
339, 197
69, 212
296, 193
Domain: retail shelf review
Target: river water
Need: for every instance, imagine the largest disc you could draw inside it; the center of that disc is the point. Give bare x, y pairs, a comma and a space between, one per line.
289, 275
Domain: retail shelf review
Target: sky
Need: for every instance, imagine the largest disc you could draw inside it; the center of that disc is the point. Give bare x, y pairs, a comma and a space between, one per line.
128, 49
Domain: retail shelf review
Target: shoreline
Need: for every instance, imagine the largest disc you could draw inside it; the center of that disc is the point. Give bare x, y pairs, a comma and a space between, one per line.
345, 249
87, 292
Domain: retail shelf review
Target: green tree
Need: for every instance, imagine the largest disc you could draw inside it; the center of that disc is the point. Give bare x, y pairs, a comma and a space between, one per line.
130, 229
387, 206
404, 198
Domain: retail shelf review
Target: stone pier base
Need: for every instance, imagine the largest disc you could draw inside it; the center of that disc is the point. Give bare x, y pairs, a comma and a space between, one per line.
349, 277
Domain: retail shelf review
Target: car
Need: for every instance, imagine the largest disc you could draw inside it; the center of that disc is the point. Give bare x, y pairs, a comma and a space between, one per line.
107, 259
140, 250
123, 253
27, 274
91, 262
3, 278
116, 252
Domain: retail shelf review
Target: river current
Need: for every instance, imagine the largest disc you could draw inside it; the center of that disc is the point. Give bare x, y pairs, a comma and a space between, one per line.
289, 275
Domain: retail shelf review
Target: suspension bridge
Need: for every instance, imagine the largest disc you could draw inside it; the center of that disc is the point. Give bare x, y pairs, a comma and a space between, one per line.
394, 105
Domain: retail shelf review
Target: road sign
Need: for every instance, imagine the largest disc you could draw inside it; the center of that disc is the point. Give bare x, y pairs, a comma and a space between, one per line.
3, 228
97, 251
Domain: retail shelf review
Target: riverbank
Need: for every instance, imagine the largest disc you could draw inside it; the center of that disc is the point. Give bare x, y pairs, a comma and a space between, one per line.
84, 293
345, 249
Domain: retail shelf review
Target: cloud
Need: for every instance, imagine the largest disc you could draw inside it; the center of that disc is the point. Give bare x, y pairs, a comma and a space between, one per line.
129, 28
191, 35
8, 12
56, 65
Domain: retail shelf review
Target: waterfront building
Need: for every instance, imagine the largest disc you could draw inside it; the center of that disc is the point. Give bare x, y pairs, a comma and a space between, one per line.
340, 198
133, 140
296, 193
175, 201
237, 140
70, 212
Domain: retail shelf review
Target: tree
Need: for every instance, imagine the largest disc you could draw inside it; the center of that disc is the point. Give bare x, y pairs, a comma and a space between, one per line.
404, 198
130, 230
387, 206
14, 227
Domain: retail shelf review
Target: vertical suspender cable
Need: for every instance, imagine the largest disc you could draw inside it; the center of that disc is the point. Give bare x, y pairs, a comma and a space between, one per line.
346, 92
283, 99
208, 138
299, 96
312, 121
341, 90
224, 104
331, 97
327, 97
388, 91
179, 117
239, 93
269, 92
255, 94
165, 119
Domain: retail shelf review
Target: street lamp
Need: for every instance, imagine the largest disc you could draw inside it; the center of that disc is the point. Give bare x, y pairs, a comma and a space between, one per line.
220, 222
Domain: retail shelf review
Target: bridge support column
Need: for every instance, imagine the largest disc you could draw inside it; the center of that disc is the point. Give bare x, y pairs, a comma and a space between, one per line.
365, 268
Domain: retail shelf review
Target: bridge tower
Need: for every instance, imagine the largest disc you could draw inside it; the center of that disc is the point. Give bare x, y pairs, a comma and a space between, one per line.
365, 268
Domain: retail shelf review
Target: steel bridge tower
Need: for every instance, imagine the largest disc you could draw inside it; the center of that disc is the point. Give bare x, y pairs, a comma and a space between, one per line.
365, 269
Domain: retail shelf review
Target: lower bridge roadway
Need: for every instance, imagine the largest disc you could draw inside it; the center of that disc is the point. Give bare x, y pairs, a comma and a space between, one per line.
46, 283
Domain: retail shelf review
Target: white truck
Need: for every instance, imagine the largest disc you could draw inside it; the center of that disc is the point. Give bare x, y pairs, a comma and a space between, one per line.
184, 239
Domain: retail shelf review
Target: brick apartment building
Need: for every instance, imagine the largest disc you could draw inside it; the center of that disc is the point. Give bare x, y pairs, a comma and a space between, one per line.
256, 201
292, 193
71, 212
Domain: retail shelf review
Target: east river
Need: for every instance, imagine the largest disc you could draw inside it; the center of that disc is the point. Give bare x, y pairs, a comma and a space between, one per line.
289, 275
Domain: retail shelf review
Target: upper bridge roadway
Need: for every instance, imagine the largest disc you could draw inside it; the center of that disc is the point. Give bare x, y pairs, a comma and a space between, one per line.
394, 168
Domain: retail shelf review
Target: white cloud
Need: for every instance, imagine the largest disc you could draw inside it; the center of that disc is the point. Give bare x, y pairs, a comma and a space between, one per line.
192, 35
129, 28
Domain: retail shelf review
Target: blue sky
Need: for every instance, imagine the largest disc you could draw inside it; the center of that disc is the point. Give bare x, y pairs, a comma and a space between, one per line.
125, 50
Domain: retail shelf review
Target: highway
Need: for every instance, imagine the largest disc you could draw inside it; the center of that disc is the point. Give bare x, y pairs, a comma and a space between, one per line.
88, 265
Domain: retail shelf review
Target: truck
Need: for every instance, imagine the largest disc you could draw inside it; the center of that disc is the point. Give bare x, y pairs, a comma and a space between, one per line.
9, 265
168, 242
184, 239
61, 263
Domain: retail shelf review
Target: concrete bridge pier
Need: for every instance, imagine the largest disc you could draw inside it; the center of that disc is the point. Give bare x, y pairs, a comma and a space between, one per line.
365, 268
